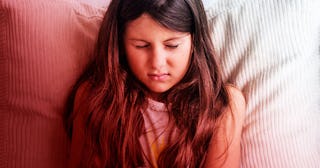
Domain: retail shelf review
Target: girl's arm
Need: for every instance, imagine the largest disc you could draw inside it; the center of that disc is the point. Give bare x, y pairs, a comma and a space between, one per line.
78, 134
224, 150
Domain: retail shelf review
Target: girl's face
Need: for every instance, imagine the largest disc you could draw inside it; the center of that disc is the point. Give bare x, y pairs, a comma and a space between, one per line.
157, 56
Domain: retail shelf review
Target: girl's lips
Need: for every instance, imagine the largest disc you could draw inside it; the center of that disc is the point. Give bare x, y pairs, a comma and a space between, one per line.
158, 77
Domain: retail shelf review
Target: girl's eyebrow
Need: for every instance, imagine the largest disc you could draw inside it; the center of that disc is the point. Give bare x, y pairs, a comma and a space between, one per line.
177, 37
174, 38
134, 39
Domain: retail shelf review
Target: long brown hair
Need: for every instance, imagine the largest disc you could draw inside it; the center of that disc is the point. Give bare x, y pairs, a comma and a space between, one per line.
115, 97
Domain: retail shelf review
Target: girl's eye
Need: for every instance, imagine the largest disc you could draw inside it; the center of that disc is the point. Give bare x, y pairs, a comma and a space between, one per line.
142, 46
172, 46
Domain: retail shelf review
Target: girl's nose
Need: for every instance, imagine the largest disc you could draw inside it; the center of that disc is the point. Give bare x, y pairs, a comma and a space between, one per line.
158, 57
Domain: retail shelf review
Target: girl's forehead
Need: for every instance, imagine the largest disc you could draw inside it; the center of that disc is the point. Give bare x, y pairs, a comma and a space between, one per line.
145, 25
142, 20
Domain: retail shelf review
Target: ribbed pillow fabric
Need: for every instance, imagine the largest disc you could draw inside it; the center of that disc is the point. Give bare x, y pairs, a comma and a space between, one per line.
44, 46
270, 49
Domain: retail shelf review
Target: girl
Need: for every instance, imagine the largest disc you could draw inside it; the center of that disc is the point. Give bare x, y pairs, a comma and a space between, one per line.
153, 96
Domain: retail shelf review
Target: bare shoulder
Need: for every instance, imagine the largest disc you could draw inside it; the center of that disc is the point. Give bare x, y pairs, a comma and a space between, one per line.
81, 94
224, 151
232, 119
78, 133
237, 103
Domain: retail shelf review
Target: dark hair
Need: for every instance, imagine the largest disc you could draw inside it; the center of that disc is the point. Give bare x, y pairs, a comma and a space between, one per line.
115, 98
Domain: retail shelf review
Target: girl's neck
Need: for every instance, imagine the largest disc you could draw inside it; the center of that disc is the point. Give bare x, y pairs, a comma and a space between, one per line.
155, 96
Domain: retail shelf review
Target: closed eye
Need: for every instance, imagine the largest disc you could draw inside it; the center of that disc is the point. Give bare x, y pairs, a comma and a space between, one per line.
142, 46
172, 46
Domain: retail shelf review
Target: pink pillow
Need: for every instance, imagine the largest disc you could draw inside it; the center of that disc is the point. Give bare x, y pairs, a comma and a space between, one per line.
44, 46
